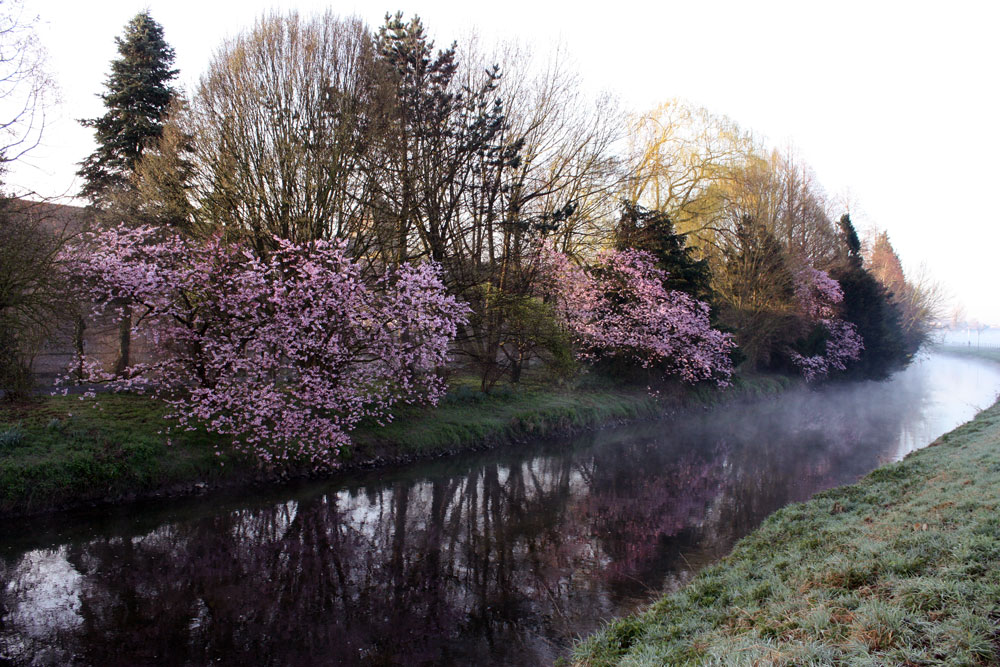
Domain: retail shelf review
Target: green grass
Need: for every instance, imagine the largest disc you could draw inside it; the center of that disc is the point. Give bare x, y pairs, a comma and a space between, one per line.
61, 450
470, 419
58, 452
902, 568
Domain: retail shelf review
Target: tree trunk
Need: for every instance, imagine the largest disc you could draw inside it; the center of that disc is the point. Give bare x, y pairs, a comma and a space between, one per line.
515, 370
124, 341
78, 330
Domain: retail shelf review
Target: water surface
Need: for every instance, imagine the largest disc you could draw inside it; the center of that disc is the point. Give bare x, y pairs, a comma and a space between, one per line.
502, 558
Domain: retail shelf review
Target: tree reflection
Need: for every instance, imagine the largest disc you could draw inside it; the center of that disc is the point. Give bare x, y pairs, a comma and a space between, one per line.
504, 563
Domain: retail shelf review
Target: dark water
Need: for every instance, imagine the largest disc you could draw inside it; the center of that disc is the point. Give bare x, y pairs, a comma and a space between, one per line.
503, 558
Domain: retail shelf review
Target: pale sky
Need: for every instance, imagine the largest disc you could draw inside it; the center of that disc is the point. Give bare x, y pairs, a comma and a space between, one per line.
895, 102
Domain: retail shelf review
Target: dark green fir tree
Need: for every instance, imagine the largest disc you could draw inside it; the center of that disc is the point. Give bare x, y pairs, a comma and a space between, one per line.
137, 97
653, 231
869, 306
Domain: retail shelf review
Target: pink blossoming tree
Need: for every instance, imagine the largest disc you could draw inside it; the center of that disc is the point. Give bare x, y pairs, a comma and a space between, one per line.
818, 295
620, 308
286, 353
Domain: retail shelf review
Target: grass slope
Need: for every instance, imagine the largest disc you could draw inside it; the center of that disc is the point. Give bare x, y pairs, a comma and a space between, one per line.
964, 351
902, 568
60, 450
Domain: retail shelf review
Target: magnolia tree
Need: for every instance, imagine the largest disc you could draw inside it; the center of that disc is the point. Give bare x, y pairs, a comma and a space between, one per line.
286, 354
620, 308
818, 295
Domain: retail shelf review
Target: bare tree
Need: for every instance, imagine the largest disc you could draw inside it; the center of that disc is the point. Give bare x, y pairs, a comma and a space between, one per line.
776, 191
33, 289
568, 156
277, 130
755, 291
551, 173
920, 298
36, 295
26, 89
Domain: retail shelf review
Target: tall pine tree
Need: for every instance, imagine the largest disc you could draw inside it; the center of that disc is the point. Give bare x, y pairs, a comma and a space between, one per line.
137, 97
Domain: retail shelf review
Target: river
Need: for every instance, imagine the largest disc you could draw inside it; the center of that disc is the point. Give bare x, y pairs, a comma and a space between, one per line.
498, 558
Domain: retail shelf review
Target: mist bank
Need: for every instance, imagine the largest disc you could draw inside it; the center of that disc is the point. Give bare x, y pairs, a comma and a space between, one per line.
973, 351
900, 568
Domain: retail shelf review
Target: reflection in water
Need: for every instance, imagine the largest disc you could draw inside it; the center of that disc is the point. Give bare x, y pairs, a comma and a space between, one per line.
502, 558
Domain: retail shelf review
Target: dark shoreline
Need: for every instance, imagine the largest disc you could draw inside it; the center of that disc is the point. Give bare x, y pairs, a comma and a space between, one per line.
424, 436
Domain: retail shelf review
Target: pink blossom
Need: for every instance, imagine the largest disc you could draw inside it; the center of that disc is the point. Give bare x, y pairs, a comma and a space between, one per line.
818, 295
816, 292
287, 354
621, 308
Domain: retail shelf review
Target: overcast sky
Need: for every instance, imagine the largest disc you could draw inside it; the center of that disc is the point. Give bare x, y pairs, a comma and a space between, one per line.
895, 103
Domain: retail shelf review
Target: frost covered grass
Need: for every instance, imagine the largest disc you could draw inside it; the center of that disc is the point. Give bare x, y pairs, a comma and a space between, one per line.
902, 568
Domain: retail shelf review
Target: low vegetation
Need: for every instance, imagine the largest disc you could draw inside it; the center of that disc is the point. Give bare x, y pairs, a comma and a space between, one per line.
60, 450
902, 568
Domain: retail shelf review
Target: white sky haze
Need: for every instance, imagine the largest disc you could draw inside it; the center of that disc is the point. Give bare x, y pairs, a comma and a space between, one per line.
895, 102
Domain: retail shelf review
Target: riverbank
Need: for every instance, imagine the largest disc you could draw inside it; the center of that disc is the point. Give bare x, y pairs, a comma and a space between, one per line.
62, 452
901, 568
968, 351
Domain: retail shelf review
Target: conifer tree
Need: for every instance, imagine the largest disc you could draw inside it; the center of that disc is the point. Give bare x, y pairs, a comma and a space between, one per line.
137, 97
850, 251
653, 231
869, 306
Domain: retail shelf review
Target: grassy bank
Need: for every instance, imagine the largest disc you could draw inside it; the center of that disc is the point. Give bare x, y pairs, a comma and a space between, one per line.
58, 452
902, 568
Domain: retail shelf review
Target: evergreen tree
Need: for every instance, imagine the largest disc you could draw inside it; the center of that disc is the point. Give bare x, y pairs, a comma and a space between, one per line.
653, 231
869, 306
137, 97
850, 251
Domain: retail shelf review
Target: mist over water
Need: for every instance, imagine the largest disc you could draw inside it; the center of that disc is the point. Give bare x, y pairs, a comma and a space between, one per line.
501, 558
985, 337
